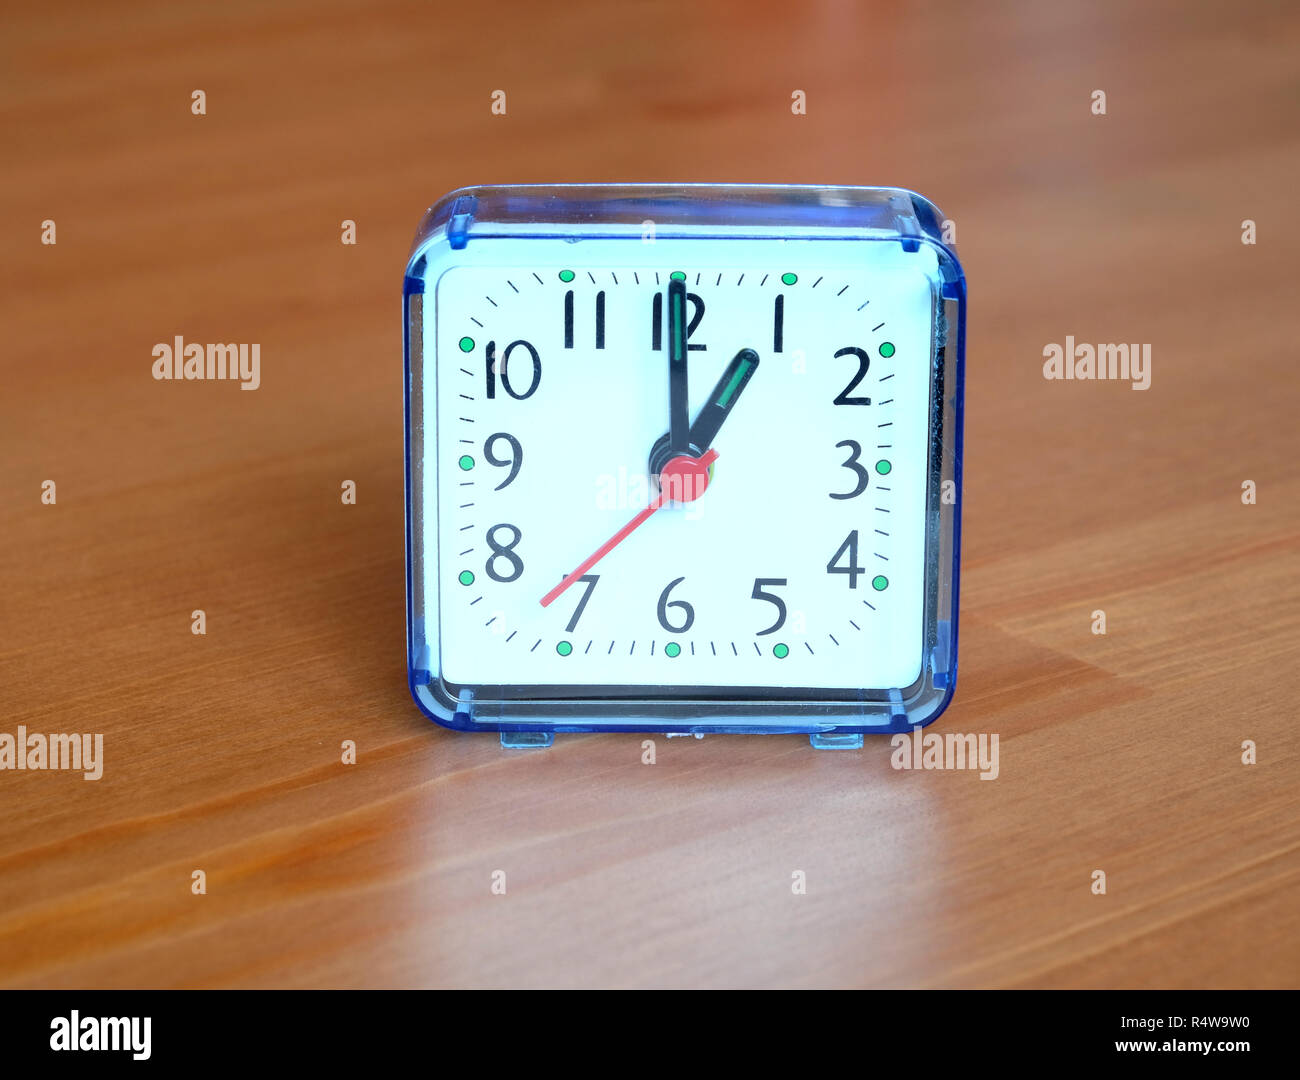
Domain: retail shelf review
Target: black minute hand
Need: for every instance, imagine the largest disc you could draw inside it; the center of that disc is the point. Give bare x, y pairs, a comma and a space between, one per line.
679, 415
723, 398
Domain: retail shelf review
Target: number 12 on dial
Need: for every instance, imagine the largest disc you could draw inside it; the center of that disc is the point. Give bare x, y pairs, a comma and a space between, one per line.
705, 484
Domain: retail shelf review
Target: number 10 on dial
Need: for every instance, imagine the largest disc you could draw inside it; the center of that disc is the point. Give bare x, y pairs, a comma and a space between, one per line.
683, 458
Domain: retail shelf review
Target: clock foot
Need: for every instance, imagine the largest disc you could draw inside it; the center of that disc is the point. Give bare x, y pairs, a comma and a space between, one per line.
526, 740
828, 741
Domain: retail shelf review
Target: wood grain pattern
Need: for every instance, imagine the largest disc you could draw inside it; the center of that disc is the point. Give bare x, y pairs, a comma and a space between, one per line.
1118, 752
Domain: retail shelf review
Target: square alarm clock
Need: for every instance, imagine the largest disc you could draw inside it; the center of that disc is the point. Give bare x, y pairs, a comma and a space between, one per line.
683, 458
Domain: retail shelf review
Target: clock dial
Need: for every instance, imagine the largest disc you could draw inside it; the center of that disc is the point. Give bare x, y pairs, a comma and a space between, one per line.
698, 471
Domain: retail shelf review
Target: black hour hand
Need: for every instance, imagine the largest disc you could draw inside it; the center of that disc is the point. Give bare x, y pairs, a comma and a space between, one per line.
723, 398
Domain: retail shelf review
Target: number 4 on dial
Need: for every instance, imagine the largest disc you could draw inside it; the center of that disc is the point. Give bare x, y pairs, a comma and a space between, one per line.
848, 550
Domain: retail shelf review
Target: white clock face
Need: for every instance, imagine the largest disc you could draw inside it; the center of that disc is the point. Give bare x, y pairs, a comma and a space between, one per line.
796, 565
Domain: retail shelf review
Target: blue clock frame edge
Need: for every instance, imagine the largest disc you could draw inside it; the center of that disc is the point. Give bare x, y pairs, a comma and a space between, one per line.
453, 220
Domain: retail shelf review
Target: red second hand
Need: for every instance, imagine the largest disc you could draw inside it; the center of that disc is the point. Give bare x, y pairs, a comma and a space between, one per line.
685, 493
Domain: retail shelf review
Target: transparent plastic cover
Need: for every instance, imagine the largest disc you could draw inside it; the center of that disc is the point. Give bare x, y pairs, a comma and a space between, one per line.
783, 559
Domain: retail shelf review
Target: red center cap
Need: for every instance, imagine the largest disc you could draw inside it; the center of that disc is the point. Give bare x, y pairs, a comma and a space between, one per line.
684, 479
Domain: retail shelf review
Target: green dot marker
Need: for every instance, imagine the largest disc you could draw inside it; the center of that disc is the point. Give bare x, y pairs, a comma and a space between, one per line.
781, 651
673, 649
467, 463
678, 275
879, 582
789, 279
564, 648
467, 577
886, 349
566, 276
467, 344
883, 467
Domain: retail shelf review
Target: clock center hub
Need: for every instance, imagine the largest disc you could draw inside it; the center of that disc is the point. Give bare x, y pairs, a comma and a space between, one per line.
684, 479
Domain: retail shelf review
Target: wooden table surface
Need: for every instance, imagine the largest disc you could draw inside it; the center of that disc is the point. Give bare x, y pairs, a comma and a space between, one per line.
1119, 752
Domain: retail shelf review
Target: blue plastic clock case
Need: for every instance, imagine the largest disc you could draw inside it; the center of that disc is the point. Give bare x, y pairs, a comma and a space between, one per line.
473, 221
